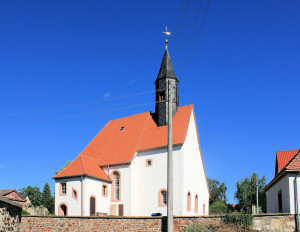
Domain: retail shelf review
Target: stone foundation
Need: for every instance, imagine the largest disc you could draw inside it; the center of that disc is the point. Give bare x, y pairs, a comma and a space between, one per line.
266, 222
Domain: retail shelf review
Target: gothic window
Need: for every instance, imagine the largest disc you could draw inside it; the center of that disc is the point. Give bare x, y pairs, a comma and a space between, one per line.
116, 186
188, 207
196, 204
161, 96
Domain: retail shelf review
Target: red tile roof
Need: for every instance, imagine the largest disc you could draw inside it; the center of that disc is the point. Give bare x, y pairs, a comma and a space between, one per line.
119, 140
284, 157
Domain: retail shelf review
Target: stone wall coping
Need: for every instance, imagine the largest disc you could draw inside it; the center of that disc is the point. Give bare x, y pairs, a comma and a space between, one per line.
8, 201
273, 214
149, 217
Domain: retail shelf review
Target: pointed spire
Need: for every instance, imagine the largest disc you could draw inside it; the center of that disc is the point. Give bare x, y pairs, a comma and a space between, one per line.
166, 67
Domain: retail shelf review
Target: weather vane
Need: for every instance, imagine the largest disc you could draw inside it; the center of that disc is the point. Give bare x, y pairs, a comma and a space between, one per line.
167, 33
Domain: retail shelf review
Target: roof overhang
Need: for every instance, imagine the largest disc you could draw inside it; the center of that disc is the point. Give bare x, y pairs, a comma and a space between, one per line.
83, 175
158, 148
279, 177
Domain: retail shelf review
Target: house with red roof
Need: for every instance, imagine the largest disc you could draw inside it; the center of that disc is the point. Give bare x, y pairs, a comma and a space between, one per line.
123, 170
283, 191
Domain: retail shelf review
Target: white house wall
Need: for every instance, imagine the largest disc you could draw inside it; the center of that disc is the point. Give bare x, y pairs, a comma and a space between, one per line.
124, 171
272, 196
73, 205
194, 173
148, 181
93, 187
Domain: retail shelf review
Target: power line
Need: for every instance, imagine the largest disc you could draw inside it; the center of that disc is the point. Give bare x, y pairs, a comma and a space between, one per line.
187, 5
80, 104
179, 20
197, 35
189, 41
79, 115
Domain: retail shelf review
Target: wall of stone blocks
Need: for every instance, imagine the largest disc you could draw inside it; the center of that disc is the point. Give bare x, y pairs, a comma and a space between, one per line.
274, 222
10, 215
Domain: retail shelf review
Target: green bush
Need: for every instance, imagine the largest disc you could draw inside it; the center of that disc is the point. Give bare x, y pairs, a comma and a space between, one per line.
218, 207
24, 212
196, 228
238, 219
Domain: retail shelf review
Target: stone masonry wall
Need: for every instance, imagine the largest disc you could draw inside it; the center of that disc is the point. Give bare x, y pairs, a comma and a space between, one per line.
275, 222
10, 215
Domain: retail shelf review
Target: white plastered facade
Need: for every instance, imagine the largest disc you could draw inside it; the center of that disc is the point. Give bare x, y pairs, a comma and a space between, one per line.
140, 184
289, 186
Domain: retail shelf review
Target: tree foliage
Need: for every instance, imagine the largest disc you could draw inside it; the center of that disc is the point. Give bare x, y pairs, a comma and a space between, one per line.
47, 198
218, 207
34, 194
217, 191
68, 162
246, 192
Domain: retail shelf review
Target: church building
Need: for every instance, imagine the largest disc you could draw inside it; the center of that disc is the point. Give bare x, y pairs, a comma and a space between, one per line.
123, 170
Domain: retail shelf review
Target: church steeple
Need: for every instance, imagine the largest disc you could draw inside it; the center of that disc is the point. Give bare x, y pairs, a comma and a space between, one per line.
166, 75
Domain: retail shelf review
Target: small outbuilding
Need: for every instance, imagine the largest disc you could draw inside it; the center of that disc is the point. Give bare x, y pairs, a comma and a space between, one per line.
283, 191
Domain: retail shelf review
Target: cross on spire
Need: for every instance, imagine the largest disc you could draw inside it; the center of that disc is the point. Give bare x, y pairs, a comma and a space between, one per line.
167, 33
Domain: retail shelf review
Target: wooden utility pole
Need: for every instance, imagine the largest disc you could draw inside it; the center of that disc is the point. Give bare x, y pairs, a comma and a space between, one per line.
170, 162
256, 193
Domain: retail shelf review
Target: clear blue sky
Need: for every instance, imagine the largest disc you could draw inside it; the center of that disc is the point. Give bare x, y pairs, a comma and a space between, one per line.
68, 67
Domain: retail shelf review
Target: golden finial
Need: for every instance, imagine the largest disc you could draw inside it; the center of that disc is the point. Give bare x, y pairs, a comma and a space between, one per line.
167, 33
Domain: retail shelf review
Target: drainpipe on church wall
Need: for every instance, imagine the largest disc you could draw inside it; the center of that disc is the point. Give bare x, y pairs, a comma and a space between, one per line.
82, 212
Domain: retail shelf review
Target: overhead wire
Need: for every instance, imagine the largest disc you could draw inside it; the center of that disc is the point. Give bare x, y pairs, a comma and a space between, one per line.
197, 35
192, 32
179, 20
79, 104
177, 42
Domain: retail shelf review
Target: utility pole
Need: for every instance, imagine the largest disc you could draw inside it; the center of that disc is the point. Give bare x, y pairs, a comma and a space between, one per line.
256, 193
170, 163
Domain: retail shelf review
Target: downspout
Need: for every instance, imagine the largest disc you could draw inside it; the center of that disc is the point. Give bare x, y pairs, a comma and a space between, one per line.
82, 195
297, 198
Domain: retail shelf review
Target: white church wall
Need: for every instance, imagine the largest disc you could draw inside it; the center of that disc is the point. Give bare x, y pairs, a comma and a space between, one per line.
93, 187
282, 185
73, 205
194, 173
124, 188
147, 181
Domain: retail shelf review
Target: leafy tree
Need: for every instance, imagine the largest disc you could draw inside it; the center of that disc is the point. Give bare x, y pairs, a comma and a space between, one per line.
246, 192
217, 191
47, 199
34, 194
218, 207
69, 161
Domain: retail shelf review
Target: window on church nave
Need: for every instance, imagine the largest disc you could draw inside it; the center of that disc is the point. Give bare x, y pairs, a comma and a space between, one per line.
63, 188
116, 186
162, 197
104, 190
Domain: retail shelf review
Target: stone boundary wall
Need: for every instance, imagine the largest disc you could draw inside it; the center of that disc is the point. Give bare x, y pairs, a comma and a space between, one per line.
265, 222
10, 215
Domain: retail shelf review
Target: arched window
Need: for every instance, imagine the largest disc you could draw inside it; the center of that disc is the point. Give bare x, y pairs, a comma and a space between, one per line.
162, 197
203, 209
188, 206
92, 205
63, 209
196, 203
116, 186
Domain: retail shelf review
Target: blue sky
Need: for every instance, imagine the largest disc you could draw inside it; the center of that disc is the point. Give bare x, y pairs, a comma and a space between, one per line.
68, 67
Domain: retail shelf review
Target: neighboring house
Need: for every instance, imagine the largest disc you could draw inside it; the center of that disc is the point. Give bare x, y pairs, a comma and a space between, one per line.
123, 170
283, 191
13, 195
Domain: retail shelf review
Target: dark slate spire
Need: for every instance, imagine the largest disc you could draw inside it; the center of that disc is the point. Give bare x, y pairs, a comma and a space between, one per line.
166, 67
165, 77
